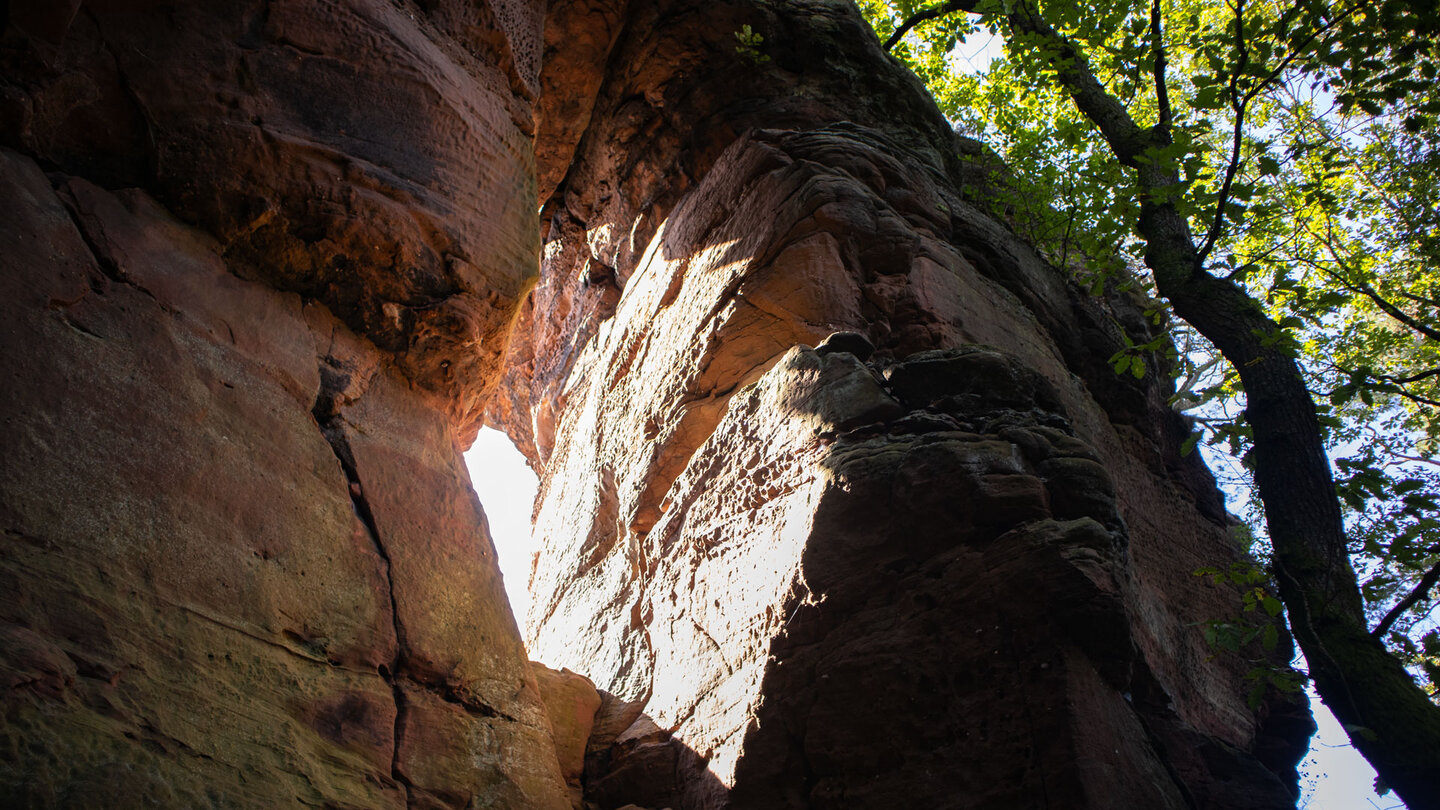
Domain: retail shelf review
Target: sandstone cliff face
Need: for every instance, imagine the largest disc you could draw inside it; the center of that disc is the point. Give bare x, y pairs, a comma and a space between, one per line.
372, 156
261, 261
246, 565
243, 563
958, 574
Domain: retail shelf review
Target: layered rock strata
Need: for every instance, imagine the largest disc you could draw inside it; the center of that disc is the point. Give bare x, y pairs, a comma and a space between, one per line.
261, 261
374, 157
946, 560
242, 561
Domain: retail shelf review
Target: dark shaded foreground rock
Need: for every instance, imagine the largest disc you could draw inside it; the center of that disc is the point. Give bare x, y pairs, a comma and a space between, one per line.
245, 564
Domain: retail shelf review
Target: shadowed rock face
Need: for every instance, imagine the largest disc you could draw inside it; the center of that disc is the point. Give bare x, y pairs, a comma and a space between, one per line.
956, 575
261, 261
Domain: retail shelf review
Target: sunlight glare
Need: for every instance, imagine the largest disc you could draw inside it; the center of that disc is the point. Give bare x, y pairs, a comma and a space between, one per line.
506, 487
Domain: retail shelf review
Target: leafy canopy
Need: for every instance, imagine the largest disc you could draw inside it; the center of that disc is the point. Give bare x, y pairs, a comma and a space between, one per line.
1304, 135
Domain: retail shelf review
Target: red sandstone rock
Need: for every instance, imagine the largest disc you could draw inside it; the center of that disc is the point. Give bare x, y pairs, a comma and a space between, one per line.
232, 497
249, 568
360, 153
202, 594
571, 703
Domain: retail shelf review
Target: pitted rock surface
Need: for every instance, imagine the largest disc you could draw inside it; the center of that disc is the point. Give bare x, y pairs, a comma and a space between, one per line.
267, 266
240, 544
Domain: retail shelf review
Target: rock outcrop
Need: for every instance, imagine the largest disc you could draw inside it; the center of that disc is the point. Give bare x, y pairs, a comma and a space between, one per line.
842, 505
943, 559
243, 563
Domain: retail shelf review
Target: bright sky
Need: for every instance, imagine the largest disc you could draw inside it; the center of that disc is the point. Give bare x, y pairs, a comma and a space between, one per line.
506, 486
1334, 776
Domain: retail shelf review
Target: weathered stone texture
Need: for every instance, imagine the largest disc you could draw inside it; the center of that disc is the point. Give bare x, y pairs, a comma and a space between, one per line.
367, 154
260, 262
954, 579
571, 702
247, 567
215, 603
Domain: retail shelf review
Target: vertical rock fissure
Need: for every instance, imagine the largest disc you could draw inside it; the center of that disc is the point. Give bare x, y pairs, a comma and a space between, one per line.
105, 259
326, 410
1158, 746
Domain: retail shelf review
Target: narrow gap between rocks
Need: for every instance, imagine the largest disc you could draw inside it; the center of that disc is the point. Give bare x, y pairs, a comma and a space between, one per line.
506, 487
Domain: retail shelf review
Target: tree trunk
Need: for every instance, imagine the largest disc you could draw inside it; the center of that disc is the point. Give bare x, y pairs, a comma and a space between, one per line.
1388, 717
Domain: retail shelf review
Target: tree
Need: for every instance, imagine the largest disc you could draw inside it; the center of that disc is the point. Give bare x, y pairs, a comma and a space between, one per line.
1275, 165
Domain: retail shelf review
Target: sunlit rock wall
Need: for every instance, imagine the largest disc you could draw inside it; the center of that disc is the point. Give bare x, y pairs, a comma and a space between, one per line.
261, 263
840, 578
258, 263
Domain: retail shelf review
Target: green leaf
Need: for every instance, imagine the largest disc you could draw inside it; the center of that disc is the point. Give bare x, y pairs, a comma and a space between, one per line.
1361, 731
1188, 446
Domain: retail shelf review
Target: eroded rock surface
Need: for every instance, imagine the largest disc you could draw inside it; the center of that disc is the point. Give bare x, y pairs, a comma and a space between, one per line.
243, 563
373, 156
957, 573
261, 260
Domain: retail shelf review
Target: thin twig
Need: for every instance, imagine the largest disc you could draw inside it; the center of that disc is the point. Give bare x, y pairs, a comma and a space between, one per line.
1162, 93
1421, 590
931, 13
1240, 103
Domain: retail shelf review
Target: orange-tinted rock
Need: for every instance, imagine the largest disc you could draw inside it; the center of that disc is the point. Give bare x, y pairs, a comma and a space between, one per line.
955, 575
359, 153
216, 600
571, 703
233, 500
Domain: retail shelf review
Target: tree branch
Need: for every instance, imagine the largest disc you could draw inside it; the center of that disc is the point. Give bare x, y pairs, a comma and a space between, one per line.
1420, 299
1393, 311
1125, 137
1399, 314
934, 12
1421, 590
1162, 93
1370, 292
1238, 103
1413, 397
1417, 377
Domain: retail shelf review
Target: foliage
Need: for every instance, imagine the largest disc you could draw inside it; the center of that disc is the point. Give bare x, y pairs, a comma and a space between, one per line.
1297, 142
749, 47
1332, 216
1252, 633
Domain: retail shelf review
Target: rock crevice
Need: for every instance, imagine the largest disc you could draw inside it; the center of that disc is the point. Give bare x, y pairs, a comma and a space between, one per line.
268, 264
